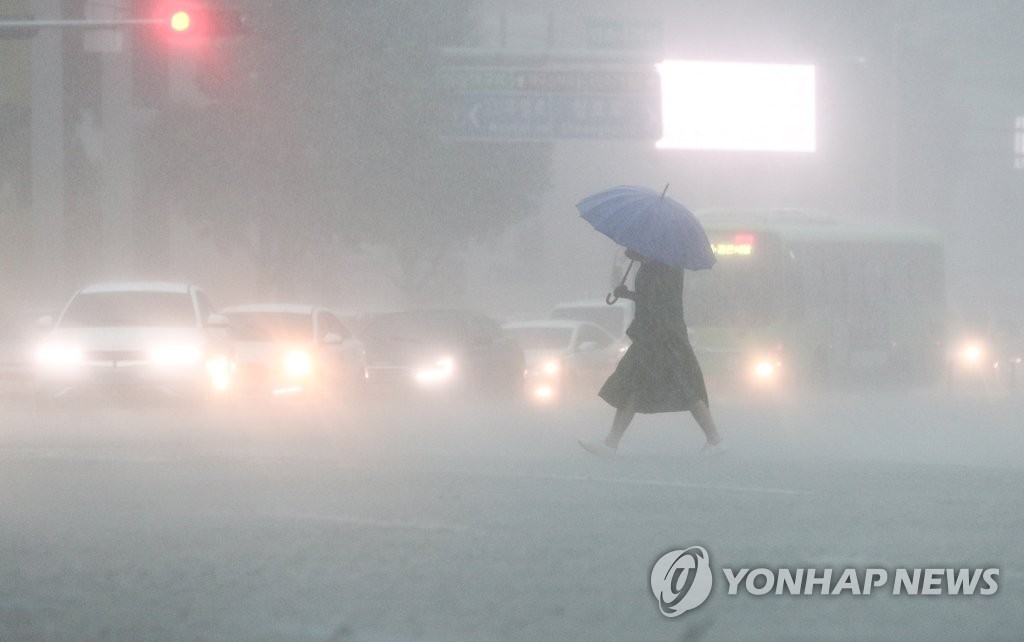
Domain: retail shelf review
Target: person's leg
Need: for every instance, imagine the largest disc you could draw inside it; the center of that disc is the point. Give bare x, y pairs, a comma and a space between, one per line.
623, 417
702, 414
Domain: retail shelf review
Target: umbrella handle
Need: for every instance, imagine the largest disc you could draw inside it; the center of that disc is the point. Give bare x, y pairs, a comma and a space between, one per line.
610, 298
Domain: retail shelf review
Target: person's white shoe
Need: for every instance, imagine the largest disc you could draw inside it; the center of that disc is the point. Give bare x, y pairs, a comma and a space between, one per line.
598, 448
711, 450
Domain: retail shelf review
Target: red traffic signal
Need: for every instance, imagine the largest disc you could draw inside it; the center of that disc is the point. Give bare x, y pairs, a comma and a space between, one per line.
181, 21
193, 23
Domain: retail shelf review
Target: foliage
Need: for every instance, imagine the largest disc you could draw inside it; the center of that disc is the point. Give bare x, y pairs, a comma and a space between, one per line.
324, 131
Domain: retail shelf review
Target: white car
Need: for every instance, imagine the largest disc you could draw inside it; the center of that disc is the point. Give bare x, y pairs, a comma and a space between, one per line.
564, 358
286, 350
130, 337
614, 318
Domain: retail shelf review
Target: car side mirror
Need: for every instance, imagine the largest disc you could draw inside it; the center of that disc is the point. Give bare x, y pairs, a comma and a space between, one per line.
333, 338
45, 322
218, 321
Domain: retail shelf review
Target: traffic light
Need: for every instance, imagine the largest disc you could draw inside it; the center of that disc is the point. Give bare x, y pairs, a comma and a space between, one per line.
181, 21
193, 23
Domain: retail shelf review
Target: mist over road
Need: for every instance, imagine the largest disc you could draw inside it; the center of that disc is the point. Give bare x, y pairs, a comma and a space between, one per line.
488, 522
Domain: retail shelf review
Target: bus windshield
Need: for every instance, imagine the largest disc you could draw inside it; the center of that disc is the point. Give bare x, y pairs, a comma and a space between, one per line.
735, 292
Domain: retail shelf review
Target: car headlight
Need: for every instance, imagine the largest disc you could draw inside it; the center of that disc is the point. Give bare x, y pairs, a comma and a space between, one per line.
544, 392
56, 355
184, 354
766, 369
298, 364
551, 367
441, 370
220, 368
972, 352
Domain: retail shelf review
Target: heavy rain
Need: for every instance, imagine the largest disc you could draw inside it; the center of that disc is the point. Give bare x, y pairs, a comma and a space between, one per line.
305, 309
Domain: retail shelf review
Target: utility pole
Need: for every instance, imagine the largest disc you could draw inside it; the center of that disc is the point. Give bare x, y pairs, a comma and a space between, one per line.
110, 38
109, 33
47, 141
117, 122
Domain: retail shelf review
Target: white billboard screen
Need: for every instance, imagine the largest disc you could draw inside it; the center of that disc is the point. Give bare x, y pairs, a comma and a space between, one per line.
737, 106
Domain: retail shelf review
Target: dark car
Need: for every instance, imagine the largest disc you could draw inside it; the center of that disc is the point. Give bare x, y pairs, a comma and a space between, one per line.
438, 351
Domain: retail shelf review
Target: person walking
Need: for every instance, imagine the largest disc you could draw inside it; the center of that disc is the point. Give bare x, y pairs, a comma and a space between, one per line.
659, 371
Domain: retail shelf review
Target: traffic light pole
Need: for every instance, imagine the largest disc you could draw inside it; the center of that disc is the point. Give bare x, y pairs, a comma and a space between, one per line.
117, 121
49, 247
117, 114
29, 27
47, 157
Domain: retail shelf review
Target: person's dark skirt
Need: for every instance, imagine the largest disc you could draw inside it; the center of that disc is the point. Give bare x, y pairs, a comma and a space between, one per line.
656, 376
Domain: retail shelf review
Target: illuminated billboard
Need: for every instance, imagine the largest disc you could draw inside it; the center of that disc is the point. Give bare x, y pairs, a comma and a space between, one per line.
737, 106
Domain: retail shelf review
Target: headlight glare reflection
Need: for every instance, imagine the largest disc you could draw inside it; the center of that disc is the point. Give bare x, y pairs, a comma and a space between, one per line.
441, 370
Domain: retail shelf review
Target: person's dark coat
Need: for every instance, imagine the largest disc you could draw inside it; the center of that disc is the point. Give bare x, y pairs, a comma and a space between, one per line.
659, 372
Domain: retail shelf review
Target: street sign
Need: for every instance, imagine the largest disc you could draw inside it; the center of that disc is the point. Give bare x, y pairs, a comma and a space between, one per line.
554, 116
624, 35
560, 81
544, 104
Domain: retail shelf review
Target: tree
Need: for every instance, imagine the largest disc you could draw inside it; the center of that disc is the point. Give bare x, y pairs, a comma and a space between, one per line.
325, 132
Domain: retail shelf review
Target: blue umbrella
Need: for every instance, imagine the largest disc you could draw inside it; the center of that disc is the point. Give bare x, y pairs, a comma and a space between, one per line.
650, 224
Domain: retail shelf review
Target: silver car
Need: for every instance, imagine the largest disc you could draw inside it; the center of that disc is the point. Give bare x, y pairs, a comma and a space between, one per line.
564, 358
288, 350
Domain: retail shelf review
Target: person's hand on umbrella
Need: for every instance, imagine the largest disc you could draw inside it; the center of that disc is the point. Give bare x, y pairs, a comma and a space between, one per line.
622, 292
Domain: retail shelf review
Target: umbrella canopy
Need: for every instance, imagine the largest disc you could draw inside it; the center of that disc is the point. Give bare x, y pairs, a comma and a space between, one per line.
650, 224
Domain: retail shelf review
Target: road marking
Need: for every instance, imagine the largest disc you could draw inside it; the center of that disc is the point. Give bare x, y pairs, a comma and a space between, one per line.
657, 482
354, 520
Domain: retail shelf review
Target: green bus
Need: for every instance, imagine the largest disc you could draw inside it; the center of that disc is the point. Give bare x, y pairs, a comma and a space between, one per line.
800, 297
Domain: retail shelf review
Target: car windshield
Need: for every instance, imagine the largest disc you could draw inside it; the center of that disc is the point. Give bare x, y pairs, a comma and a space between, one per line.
541, 338
417, 328
130, 309
271, 326
611, 318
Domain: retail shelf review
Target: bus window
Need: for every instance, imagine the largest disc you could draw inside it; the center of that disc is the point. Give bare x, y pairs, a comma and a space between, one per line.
741, 291
793, 287
838, 296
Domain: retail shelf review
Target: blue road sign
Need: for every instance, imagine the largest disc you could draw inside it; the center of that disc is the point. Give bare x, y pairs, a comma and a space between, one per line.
541, 104
554, 116
549, 116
